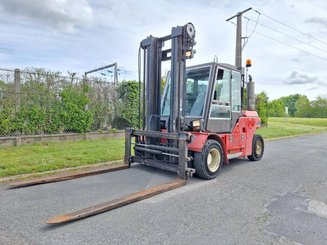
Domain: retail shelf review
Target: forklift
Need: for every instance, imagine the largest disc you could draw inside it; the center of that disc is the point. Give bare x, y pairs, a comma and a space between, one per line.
194, 126
197, 125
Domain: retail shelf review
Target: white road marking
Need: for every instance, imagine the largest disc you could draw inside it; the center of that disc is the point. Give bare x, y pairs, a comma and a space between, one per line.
184, 189
317, 208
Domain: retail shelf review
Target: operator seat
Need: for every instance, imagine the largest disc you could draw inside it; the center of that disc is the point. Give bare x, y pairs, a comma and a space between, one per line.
199, 102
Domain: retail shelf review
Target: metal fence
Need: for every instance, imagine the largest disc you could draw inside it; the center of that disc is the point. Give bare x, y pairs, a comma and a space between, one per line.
34, 101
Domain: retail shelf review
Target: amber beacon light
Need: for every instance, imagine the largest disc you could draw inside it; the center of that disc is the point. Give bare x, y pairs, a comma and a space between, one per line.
248, 63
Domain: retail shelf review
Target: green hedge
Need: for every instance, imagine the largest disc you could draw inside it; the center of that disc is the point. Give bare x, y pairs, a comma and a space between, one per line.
41, 113
127, 105
56, 106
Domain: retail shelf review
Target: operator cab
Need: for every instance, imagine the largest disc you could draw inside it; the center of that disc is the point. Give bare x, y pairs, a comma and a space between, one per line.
213, 97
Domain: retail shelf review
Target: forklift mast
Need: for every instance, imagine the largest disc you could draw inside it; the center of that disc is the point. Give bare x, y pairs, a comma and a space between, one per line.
182, 42
153, 147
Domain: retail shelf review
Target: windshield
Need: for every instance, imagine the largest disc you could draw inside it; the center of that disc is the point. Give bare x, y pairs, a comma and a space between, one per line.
197, 81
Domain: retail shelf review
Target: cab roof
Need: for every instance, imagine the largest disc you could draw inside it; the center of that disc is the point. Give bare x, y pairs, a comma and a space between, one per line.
223, 65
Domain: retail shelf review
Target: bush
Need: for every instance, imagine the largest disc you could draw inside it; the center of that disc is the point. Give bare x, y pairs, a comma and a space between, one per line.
30, 120
73, 112
6, 118
262, 106
47, 113
128, 105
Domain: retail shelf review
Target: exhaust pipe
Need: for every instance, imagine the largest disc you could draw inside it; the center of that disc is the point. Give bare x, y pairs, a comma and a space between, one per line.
250, 95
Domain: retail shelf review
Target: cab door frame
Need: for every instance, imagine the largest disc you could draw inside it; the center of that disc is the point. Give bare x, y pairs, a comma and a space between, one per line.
220, 124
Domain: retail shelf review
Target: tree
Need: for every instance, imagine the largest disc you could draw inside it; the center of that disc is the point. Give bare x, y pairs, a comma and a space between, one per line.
163, 84
303, 108
276, 108
244, 100
290, 102
319, 107
262, 106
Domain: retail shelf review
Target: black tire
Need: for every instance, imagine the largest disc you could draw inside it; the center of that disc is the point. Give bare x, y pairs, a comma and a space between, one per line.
258, 148
202, 169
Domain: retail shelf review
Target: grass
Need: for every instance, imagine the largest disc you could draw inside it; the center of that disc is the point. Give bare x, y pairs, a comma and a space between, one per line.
282, 129
51, 156
319, 122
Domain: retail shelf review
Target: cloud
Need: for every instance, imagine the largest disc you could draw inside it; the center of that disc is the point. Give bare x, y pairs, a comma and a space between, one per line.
322, 83
313, 88
60, 15
299, 78
317, 20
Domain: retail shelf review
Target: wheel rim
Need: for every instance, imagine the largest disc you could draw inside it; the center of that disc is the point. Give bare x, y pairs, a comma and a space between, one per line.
258, 147
213, 160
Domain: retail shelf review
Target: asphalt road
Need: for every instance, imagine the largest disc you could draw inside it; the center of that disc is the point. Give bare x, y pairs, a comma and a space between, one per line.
278, 200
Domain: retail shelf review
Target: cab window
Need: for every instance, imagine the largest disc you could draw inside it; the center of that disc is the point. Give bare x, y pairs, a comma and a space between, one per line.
220, 107
236, 91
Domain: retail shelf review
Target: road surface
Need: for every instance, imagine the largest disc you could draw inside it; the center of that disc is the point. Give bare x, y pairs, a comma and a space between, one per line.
278, 200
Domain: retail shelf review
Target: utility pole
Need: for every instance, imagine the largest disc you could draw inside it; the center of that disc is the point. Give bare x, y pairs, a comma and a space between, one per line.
238, 50
17, 80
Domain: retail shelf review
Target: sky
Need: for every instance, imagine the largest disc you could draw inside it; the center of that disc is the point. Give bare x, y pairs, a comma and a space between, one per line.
79, 35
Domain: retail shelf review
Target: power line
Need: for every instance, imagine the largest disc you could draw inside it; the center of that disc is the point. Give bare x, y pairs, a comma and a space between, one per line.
302, 50
293, 28
286, 44
246, 38
282, 33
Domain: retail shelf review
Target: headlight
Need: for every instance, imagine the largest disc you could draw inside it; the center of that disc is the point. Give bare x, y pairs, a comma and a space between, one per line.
196, 125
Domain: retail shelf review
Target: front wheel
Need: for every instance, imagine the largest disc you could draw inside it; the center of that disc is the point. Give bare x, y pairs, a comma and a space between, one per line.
258, 148
208, 162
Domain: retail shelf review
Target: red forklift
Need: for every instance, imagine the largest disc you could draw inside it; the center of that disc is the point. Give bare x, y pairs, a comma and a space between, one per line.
198, 124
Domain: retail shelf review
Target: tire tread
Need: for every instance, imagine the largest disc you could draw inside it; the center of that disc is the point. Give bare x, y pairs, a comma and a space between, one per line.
200, 158
253, 156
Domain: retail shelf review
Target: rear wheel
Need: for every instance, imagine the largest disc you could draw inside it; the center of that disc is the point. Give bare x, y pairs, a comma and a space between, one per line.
258, 148
208, 162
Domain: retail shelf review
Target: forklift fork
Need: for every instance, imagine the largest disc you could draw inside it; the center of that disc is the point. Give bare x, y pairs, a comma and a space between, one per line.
63, 177
117, 203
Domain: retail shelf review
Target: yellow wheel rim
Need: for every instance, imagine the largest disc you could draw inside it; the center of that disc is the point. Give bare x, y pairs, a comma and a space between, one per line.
213, 160
258, 147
